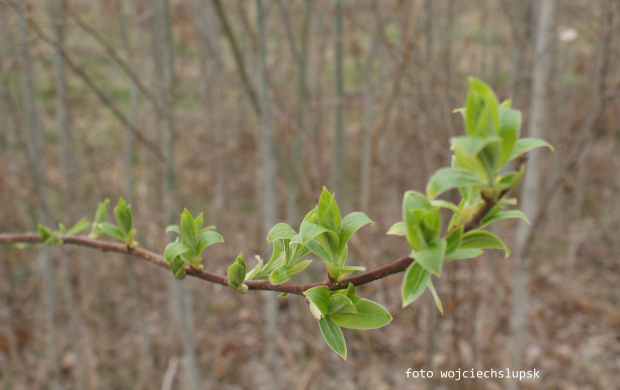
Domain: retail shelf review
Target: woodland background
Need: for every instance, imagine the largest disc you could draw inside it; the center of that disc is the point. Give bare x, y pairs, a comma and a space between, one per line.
354, 95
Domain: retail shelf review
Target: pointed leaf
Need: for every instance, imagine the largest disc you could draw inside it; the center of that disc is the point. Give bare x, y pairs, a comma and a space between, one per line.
122, 213
504, 215
319, 297
297, 268
281, 231
174, 250
174, 229
431, 258
435, 296
333, 336
524, 145
454, 240
368, 315
464, 254
206, 239
509, 129
481, 240
352, 223
188, 229
112, 230
398, 229
79, 227
279, 275
340, 303
448, 178
414, 283
309, 230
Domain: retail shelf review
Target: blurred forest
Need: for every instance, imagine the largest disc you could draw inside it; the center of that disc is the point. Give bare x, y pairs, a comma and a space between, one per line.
244, 110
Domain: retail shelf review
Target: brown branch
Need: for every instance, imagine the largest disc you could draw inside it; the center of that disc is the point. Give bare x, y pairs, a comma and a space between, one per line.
156, 259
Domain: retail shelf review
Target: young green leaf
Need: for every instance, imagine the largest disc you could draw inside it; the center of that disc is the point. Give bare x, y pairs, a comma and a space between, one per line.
524, 145
188, 228
340, 303
319, 300
481, 240
448, 178
454, 240
297, 268
352, 223
309, 230
504, 215
414, 283
431, 258
206, 239
113, 231
430, 225
398, 229
435, 296
367, 315
328, 212
279, 275
174, 250
122, 213
464, 254
236, 275
509, 129
79, 227
174, 229
333, 336
177, 266
100, 216
281, 231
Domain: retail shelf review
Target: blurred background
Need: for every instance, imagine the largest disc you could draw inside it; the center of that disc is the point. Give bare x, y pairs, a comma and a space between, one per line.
244, 110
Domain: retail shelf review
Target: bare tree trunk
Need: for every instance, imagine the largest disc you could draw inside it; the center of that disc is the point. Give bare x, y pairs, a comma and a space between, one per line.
267, 184
530, 190
339, 159
146, 358
36, 166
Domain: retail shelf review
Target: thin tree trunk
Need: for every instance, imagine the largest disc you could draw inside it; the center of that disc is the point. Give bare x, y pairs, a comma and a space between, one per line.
146, 359
267, 184
41, 214
530, 190
339, 159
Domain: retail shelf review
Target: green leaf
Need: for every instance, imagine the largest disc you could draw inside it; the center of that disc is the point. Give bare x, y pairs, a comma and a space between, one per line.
319, 300
206, 239
328, 212
509, 129
236, 272
482, 239
279, 275
174, 250
431, 258
198, 221
309, 230
444, 204
414, 283
188, 228
524, 145
398, 229
435, 296
448, 178
177, 266
415, 206
453, 240
174, 229
112, 230
340, 273
481, 112
281, 231
430, 225
297, 268
340, 303
333, 336
368, 315
504, 215
316, 248
122, 213
352, 223
79, 227
464, 254
100, 216
469, 147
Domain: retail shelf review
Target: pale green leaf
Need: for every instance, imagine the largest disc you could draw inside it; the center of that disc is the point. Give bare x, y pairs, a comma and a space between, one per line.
524, 145
174, 250
112, 230
79, 227
481, 240
281, 231
368, 315
414, 283
398, 229
504, 215
333, 336
448, 178
464, 254
431, 258
435, 296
